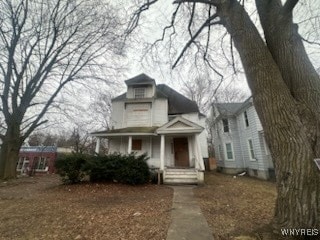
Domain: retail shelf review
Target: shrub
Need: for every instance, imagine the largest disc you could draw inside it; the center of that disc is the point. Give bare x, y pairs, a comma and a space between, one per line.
104, 168
134, 170
129, 169
71, 167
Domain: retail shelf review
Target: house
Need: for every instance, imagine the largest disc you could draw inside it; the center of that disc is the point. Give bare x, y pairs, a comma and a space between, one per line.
239, 140
36, 159
157, 120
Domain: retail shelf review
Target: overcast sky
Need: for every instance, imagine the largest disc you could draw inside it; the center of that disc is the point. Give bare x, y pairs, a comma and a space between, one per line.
157, 62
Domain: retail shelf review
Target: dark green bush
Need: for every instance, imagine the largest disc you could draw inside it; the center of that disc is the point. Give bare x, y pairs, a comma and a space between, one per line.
70, 167
129, 169
104, 168
134, 170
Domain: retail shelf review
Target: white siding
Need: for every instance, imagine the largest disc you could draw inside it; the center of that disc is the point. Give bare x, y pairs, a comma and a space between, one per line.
159, 112
194, 117
114, 145
117, 114
252, 132
138, 115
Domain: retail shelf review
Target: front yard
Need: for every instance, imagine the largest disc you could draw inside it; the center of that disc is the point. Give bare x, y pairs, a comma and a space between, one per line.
42, 208
236, 207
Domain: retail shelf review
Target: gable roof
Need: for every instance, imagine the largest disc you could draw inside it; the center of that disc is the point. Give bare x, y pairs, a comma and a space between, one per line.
179, 125
141, 79
177, 103
228, 108
231, 109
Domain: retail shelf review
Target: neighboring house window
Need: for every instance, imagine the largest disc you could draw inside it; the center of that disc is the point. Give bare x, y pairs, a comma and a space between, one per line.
136, 144
139, 92
266, 148
251, 151
225, 124
246, 120
229, 151
20, 163
42, 164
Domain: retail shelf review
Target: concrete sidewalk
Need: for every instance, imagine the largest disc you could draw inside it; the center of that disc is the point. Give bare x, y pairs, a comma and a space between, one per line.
187, 221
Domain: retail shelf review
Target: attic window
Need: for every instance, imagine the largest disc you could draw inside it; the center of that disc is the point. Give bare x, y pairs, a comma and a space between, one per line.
139, 92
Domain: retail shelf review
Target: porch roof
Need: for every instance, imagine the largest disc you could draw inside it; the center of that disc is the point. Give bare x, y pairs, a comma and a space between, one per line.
180, 125
129, 131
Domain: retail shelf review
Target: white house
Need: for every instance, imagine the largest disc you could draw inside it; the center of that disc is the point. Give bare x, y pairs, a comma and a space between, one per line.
157, 120
239, 140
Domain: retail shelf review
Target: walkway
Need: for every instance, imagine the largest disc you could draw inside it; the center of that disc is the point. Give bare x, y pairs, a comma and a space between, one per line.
187, 221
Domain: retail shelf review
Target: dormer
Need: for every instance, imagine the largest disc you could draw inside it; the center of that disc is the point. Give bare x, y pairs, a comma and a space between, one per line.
140, 87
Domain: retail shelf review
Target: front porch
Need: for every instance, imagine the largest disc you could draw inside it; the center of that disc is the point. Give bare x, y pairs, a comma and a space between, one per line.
174, 149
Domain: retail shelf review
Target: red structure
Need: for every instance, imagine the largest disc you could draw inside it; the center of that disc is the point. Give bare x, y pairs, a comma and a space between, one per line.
38, 159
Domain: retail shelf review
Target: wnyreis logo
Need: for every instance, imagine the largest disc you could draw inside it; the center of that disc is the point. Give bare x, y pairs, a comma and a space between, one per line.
299, 232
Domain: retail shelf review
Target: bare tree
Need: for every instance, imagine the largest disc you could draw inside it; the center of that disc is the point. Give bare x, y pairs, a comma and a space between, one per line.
46, 45
284, 84
204, 92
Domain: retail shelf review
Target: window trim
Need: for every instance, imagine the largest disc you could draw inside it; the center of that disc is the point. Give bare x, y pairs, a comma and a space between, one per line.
45, 161
246, 119
224, 126
138, 95
226, 152
251, 150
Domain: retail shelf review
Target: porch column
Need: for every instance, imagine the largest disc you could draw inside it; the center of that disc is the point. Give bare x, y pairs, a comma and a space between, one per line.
130, 144
97, 150
162, 149
199, 155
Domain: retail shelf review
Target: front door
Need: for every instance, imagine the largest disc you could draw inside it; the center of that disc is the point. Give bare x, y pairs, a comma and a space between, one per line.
181, 153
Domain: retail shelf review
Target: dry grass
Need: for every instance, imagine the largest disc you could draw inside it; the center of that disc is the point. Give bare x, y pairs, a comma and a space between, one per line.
236, 208
42, 208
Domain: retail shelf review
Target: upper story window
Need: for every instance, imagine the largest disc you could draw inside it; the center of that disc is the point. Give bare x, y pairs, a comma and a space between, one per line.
246, 120
139, 92
225, 124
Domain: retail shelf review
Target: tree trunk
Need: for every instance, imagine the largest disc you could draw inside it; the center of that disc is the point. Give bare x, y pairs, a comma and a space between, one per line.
9, 153
298, 180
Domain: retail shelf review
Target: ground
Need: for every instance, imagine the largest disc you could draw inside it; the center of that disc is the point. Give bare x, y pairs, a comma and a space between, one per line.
237, 207
44, 208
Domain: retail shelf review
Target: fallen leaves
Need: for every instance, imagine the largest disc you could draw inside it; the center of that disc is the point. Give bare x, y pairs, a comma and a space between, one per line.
45, 209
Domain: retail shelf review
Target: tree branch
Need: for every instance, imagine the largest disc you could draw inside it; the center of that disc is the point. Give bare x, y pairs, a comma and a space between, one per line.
188, 44
211, 2
134, 21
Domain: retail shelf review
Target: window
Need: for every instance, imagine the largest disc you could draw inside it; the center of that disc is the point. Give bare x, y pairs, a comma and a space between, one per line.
42, 163
136, 144
229, 151
251, 151
246, 120
20, 163
139, 92
225, 124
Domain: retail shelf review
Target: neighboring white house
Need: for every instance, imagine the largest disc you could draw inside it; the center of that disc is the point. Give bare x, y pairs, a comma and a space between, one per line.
157, 120
239, 140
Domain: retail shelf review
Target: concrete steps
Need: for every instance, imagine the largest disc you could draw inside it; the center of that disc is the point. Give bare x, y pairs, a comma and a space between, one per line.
180, 176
